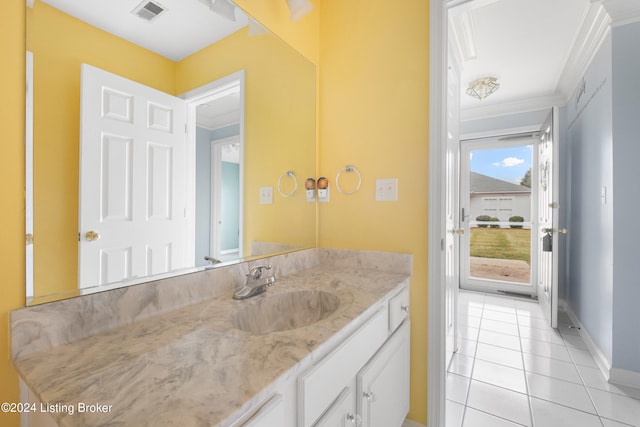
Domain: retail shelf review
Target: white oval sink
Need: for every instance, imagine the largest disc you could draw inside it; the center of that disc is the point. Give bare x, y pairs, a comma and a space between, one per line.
282, 312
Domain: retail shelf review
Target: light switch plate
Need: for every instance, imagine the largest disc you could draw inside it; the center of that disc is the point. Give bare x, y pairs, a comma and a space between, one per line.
387, 190
266, 195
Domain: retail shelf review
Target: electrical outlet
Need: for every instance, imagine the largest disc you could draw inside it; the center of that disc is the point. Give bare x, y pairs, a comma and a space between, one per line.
266, 195
387, 190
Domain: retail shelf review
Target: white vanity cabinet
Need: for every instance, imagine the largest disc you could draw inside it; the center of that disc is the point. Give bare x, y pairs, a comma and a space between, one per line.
365, 380
383, 384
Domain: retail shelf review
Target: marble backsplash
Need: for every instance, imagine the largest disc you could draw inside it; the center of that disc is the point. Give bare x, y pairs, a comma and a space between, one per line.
42, 327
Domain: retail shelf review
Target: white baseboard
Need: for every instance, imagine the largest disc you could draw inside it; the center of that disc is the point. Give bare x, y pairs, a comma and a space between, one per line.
625, 377
601, 360
410, 423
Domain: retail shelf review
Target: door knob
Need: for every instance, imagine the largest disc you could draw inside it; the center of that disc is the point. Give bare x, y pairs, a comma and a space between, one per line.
91, 236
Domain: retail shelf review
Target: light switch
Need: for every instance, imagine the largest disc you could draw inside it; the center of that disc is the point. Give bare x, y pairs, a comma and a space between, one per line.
266, 195
387, 190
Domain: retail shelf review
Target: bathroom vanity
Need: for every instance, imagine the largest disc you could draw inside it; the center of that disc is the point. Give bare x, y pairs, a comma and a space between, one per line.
326, 345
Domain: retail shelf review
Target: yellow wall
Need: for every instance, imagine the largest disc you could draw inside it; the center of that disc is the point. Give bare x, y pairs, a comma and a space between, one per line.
374, 96
280, 103
12, 261
57, 56
373, 113
303, 35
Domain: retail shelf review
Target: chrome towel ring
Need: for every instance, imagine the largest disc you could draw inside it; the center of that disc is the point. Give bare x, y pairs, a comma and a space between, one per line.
292, 175
348, 169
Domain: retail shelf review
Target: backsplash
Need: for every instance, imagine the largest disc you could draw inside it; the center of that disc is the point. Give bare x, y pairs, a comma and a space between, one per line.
41, 327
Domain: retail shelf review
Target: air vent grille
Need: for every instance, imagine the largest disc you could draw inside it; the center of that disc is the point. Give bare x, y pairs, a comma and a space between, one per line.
149, 10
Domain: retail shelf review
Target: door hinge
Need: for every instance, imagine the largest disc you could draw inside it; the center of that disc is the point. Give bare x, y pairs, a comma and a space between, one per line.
29, 239
442, 244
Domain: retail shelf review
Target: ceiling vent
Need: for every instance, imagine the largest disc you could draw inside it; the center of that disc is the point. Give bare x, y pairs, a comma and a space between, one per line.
149, 10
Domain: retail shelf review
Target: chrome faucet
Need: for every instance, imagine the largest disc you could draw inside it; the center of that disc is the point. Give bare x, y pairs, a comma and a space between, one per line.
256, 283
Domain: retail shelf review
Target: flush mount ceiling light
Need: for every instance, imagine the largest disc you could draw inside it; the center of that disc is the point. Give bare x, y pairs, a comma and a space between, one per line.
298, 8
483, 87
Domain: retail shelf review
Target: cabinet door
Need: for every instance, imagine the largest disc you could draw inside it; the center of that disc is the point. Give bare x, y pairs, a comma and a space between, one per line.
342, 413
383, 384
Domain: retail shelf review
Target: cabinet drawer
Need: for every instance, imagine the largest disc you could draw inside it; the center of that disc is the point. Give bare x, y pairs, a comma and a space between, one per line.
322, 384
398, 309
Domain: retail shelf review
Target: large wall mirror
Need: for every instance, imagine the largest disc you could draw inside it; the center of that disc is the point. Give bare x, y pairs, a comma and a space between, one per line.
153, 130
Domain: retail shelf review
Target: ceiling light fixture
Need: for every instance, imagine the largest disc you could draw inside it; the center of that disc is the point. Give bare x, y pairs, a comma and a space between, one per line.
483, 87
298, 8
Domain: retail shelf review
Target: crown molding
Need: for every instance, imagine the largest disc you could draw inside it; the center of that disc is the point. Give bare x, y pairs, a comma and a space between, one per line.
595, 26
622, 11
514, 107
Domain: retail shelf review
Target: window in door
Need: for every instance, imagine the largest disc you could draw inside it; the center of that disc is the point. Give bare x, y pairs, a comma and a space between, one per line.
496, 200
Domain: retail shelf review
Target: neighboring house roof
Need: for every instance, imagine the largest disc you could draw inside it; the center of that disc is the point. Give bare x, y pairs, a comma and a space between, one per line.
486, 184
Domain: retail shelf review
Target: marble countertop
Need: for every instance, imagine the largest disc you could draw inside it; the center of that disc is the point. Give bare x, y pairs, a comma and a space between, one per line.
191, 366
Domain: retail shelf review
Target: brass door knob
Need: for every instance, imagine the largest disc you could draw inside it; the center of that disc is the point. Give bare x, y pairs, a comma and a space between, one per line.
91, 236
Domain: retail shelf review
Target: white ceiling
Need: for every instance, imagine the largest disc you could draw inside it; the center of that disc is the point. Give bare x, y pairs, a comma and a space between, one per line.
186, 27
524, 43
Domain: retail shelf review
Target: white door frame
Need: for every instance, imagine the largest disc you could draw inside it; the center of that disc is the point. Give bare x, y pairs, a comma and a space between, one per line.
195, 97
28, 136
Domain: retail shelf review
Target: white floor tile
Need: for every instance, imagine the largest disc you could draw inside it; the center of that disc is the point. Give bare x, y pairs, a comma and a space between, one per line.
611, 423
500, 402
468, 332
574, 341
558, 391
500, 340
474, 418
582, 357
500, 355
501, 327
461, 365
500, 316
616, 407
499, 375
553, 368
457, 388
454, 413
593, 378
545, 349
471, 321
548, 414
467, 347
529, 309
533, 322
471, 311
568, 329
546, 335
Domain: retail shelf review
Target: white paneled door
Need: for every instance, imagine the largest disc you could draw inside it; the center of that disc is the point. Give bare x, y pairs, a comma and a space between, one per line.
548, 217
132, 180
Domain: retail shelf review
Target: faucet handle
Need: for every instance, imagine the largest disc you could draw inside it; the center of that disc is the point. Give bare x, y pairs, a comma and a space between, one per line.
256, 272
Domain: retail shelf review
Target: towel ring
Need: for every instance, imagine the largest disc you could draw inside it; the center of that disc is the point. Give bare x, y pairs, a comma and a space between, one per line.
348, 169
292, 175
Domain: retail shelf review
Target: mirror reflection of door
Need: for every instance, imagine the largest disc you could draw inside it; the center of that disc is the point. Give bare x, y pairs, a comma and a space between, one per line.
225, 198
219, 173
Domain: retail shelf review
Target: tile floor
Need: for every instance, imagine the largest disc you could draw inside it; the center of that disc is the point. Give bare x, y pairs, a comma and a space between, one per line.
512, 369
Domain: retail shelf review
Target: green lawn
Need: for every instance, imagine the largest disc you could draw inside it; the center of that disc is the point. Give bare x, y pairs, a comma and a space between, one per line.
502, 243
